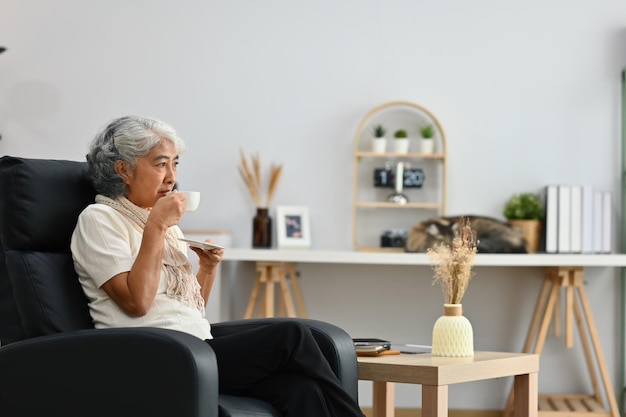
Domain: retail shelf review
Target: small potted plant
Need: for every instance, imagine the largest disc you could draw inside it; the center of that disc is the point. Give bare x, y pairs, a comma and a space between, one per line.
427, 144
401, 141
525, 212
379, 141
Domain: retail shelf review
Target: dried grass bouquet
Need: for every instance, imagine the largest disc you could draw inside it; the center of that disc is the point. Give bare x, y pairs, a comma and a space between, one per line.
251, 175
453, 264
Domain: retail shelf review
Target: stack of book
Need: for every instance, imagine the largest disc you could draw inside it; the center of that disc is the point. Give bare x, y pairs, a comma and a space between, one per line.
578, 219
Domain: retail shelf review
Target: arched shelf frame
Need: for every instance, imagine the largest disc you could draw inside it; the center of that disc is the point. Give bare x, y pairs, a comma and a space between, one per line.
361, 152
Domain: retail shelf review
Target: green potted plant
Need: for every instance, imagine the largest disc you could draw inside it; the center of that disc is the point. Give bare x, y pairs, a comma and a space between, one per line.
379, 141
401, 141
400, 133
525, 212
427, 144
427, 132
379, 131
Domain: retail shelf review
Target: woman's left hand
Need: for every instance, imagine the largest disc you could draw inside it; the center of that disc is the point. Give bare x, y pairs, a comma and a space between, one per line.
208, 258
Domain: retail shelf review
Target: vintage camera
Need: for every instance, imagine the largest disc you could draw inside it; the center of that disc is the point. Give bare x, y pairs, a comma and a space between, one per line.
395, 238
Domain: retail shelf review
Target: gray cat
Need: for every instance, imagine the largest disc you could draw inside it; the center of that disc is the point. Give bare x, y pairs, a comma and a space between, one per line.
494, 236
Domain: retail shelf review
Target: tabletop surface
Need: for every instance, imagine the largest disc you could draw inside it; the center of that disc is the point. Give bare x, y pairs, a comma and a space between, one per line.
426, 369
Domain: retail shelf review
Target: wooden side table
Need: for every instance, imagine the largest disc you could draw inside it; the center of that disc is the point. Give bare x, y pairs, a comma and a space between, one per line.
436, 373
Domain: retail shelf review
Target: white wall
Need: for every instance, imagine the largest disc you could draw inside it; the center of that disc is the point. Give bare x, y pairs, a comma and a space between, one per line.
528, 93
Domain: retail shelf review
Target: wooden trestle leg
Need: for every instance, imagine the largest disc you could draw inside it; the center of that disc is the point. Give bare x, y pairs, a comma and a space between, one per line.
569, 280
270, 274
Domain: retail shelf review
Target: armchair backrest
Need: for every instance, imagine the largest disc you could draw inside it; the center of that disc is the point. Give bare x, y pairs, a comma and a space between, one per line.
10, 326
39, 204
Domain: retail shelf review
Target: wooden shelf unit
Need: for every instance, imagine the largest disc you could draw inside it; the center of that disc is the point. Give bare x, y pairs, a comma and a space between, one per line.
373, 212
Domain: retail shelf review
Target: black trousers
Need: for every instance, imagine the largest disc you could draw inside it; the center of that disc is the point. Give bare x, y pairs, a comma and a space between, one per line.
282, 364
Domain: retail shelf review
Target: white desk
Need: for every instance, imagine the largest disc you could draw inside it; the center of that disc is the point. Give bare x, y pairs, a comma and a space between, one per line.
400, 258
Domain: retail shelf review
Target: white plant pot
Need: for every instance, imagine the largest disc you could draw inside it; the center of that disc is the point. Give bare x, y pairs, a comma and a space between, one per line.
401, 145
379, 145
427, 146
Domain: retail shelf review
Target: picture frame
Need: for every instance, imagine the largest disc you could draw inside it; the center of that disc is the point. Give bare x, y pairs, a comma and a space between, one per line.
293, 227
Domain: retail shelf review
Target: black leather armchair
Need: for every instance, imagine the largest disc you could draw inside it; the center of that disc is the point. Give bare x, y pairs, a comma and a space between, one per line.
54, 363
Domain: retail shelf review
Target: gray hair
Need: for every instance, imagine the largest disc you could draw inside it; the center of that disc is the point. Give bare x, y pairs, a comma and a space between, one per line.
125, 139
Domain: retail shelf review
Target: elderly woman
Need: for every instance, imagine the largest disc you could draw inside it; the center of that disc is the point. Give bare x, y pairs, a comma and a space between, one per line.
135, 272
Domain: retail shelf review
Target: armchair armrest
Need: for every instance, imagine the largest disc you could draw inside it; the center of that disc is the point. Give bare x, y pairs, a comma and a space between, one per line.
337, 346
123, 372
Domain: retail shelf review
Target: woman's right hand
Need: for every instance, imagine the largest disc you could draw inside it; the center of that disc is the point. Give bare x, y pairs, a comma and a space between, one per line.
168, 210
134, 291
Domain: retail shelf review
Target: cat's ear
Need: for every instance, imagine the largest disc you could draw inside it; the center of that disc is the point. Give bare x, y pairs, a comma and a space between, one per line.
443, 221
432, 229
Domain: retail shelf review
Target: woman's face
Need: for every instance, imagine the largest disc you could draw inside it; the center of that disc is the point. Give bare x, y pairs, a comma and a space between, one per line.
154, 175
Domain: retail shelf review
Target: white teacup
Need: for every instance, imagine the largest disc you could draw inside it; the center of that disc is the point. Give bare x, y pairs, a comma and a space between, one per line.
192, 200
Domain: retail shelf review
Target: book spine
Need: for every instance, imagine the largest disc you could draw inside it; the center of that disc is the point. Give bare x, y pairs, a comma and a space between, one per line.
564, 216
576, 219
607, 222
597, 222
551, 218
587, 219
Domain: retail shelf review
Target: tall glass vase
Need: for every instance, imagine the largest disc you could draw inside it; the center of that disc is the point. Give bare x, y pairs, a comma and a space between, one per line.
262, 229
453, 334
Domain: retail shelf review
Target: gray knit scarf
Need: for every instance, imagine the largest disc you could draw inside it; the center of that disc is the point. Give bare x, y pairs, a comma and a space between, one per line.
181, 283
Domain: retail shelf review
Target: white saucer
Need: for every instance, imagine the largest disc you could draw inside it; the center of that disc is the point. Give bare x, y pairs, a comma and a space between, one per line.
201, 245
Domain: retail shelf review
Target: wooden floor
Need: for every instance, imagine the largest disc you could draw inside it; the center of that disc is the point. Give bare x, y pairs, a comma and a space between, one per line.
416, 412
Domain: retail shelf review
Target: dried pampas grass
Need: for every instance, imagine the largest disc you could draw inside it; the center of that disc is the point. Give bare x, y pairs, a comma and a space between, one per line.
251, 175
453, 264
